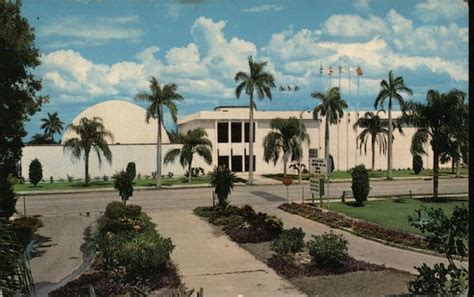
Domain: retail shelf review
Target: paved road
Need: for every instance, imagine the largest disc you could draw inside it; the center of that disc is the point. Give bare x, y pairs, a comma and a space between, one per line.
186, 199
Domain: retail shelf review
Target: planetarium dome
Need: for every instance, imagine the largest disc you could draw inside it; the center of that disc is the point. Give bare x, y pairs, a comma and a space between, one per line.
125, 120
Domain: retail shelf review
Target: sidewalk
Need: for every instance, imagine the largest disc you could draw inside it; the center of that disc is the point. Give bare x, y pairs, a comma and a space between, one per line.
212, 261
361, 248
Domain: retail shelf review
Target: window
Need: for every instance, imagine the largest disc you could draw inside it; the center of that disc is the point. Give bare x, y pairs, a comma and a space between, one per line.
222, 132
236, 132
247, 163
247, 134
237, 163
223, 160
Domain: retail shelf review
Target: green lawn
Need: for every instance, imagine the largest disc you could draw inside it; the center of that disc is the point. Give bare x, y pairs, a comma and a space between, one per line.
376, 174
393, 214
166, 181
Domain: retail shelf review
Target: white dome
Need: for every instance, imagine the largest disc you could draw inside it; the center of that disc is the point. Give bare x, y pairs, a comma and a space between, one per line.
125, 120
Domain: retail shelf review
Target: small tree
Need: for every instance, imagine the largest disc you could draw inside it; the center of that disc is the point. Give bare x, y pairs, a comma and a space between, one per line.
223, 181
131, 170
417, 164
123, 183
36, 172
360, 184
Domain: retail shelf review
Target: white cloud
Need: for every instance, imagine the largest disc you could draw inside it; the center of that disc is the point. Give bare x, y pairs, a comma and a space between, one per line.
353, 26
80, 32
264, 7
362, 5
432, 10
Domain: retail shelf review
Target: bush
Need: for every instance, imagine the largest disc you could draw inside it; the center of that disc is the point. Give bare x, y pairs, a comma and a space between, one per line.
223, 181
439, 281
69, 178
123, 183
36, 172
51, 180
360, 184
328, 250
131, 170
417, 164
105, 178
227, 222
289, 242
170, 174
258, 227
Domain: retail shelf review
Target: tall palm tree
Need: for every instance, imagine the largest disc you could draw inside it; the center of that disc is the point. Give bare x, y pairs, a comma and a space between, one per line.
194, 142
332, 108
159, 97
376, 129
92, 135
52, 125
260, 81
284, 138
391, 89
432, 121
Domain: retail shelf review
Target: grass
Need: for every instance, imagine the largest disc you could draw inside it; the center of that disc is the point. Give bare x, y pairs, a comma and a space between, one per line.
166, 181
375, 174
392, 214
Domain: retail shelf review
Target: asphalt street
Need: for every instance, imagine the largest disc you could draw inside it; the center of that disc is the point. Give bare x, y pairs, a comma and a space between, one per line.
187, 199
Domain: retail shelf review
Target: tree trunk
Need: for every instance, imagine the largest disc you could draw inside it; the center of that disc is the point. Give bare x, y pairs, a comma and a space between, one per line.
86, 154
251, 131
158, 149
326, 144
189, 171
285, 163
373, 154
389, 151
435, 174
452, 165
458, 167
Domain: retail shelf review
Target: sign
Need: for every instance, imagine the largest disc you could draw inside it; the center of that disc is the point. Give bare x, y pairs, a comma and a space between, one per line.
287, 180
316, 186
318, 167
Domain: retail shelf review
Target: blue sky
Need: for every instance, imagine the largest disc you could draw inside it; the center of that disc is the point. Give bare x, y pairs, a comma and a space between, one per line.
93, 51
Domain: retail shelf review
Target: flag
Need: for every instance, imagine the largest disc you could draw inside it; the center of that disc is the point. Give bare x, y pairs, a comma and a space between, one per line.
330, 71
359, 71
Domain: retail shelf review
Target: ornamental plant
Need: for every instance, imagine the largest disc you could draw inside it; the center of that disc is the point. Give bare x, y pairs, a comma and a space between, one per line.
35, 172
131, 170
328, 250
123, 183
223, 181
417, 164
290, 242
360, 184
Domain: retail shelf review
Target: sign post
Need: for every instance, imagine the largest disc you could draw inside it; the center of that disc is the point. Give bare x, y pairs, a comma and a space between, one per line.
318, 172
287, 181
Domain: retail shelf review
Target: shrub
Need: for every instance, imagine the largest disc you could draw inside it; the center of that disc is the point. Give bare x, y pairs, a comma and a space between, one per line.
36, 172
259, 227
123, 183
105, 178
417, 164
328, 250
170, 174
69, 178
439, 281
289, 242
51, 180
227, 222
360, 184
223, 181
131, 170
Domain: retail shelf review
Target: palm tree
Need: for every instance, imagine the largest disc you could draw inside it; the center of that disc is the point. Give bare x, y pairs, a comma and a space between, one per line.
285, 137
194, 141
332, 108
391, 89
159, 97
260, 81
92, 135
375, 128
52, 125
433, 121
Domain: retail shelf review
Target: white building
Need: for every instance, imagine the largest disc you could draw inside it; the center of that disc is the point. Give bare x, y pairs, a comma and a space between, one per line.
226, 127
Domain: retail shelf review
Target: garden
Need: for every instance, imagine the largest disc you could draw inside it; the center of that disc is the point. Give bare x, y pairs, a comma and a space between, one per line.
131, 257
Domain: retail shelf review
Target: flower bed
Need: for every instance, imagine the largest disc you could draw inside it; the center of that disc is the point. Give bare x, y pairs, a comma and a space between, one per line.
359, 227
132, 256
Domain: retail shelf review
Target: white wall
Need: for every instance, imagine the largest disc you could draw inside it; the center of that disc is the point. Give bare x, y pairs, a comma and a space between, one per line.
59, 164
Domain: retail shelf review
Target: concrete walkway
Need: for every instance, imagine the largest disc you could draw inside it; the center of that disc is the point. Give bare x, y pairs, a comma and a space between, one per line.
360, 248
208, 259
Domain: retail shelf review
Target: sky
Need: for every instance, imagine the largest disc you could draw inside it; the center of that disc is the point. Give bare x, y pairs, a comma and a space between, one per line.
93, 51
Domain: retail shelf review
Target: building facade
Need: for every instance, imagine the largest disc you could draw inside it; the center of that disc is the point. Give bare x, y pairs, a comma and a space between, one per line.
228, 129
